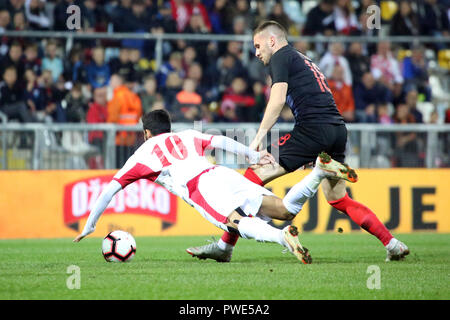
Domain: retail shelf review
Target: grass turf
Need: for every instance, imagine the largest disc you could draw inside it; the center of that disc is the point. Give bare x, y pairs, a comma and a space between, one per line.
37, 269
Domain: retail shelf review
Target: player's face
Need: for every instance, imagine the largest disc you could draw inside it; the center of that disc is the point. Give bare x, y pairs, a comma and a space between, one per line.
263, 51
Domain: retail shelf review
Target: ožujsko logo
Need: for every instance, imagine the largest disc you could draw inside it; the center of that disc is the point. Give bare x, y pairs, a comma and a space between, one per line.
140, 197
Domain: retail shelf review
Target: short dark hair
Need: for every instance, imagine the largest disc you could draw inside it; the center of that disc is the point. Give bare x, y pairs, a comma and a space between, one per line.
157, 121
271, 23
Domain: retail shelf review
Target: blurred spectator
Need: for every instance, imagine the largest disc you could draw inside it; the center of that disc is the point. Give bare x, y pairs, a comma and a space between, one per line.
123, 9
434, 20
277, 14
36, 15
405, 22
189, 56
98, 71
149, 95
75, 104
124, 109
35, 96
14, 6
406, 143
52, 61
141, 66
14, 58
97, 113
5, 20
334, 56
227, 112
320, 19
368, 95
359, 63
206, 89
187, 103
244, 103
260, 102
139, 20
173, 65
385, 68
240, 26
199, 9
345, 21
12, 99
384, 116
228, 68
174, 84
342, 94
415, 72
75, 66
246, 19
31, 59
363, 30
181, 13
198, 26
411, 102
218, 16
122, 65
53, 96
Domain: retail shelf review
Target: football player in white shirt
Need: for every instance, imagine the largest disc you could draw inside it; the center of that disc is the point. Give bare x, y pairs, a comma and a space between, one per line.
224, 197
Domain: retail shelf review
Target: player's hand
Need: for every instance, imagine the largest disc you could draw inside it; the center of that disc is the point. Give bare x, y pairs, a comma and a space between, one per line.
266, 158
78, 238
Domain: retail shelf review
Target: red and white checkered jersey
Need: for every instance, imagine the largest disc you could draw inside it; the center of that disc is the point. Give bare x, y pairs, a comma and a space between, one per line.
170, 159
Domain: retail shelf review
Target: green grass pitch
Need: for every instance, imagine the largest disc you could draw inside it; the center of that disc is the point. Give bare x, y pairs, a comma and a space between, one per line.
37, 269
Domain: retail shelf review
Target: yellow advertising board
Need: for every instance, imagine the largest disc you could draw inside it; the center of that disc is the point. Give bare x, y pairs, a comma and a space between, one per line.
54, 204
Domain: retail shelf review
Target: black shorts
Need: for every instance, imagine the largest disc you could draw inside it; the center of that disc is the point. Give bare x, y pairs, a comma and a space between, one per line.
304, 143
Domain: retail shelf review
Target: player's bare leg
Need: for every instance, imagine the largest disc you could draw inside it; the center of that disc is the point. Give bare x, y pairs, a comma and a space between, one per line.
336, 195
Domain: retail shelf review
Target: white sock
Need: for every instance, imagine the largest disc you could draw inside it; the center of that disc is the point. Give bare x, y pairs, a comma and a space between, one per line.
302, 191
224, 246
255, 228
392, 243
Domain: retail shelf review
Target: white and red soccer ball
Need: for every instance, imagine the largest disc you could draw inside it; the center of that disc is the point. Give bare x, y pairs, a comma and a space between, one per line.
118, 246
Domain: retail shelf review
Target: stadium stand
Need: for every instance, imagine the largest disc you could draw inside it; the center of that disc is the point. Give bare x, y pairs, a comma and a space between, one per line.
58, 77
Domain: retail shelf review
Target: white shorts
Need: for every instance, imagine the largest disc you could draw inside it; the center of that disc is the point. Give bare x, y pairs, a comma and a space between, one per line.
218, 191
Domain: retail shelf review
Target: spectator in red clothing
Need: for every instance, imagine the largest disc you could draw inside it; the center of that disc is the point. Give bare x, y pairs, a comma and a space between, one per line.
346, 21
237, 94
342, 94
183, 10
97, 113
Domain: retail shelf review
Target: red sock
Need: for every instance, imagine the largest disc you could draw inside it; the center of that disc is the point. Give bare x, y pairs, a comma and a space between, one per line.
232, 238
364, 217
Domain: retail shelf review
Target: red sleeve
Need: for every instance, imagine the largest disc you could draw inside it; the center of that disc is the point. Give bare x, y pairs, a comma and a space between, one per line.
138, 171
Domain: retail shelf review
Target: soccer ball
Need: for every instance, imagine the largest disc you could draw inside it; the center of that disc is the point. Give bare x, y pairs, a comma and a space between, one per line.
118, 246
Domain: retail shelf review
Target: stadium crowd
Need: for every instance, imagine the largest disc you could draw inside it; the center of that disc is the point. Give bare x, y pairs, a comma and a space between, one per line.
50, 80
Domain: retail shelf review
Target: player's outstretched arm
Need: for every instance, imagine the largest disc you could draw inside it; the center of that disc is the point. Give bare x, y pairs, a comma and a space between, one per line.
99, 206
230, 145
276, 103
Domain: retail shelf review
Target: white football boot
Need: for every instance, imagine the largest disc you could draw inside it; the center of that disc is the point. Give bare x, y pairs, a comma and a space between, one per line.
396, 250
290, 235
210, 251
